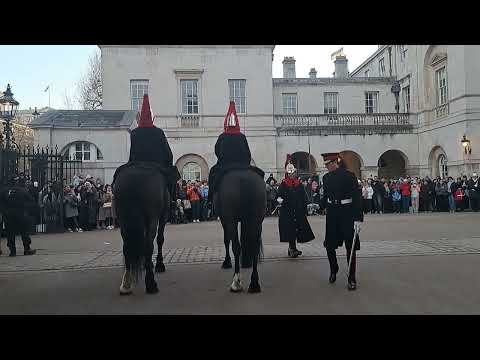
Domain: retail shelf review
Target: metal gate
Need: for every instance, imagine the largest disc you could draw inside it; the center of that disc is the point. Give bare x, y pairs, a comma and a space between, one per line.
45, 172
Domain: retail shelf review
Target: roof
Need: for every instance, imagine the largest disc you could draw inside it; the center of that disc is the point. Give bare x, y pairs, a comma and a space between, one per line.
370, 58
85, 119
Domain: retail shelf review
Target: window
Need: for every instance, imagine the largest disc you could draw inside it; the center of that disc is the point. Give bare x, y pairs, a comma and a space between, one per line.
289, 104
138, 88
441, 76
99, 155
442, 166
189, 96
330, 103
238, 95
371, 102
367, 73
191, 172
381, 67
406, 99
82, 151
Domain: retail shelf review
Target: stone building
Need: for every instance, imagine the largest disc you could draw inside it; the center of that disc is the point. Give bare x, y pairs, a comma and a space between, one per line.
405, 110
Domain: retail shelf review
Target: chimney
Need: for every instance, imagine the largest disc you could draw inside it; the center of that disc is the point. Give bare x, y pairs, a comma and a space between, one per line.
313, 73
341, 66
289, 67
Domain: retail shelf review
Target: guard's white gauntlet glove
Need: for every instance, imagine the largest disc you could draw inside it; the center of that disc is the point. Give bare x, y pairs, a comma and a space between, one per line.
279, 200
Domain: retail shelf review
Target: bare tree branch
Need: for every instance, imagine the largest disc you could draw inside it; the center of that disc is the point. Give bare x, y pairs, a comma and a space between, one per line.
89, 87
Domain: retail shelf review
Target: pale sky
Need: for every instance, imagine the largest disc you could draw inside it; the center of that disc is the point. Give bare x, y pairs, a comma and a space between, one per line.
31, 68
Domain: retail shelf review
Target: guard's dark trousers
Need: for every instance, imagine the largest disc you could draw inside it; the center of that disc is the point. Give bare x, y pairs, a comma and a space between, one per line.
332, 259
14, 226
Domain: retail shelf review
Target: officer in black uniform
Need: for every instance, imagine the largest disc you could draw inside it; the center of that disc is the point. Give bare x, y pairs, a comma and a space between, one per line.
342, 199
16, 205
232, 152
149, 143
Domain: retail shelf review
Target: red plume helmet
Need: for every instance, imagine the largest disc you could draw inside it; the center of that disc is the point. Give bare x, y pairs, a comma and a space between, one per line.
145, 120
231, 124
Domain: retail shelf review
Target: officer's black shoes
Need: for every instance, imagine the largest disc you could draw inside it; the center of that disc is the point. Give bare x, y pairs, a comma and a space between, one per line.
13, 252
294, 253
352, 285
29, 251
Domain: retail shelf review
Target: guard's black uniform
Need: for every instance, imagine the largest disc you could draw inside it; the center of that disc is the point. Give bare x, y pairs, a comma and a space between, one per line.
339, 185
151, 145
232, 151
16, 206
293, 224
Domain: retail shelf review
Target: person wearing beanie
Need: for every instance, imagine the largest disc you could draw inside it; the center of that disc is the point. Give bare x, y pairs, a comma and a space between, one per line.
342, 198
232, 152
293, 224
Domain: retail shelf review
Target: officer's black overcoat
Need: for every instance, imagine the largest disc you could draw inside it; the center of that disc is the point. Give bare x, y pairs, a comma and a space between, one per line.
338, 185
293, 223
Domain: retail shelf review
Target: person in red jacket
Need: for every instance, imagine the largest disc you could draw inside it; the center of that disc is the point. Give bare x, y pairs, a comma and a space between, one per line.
406, 194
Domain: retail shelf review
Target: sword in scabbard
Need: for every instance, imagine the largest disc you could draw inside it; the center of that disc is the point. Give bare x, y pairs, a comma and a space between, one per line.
355, 235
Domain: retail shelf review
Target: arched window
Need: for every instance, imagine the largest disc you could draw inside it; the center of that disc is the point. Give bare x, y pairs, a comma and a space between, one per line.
442, 166
83, 150
191, 171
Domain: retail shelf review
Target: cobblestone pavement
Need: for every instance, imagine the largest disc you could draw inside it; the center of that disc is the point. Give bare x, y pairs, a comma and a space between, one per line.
383, 235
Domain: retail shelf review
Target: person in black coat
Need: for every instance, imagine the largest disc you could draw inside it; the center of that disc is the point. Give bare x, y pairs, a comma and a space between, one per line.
232, 152
474, 192
342, 199
293, 225
149, 143
16, 205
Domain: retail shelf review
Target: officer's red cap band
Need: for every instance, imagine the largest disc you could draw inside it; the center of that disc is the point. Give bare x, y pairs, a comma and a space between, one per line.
146, 120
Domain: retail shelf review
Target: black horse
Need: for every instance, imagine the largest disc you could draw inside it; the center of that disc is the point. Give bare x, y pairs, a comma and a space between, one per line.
142, 205
241, 197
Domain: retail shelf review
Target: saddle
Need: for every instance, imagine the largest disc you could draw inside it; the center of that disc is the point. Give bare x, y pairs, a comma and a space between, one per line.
171, 172
227, 169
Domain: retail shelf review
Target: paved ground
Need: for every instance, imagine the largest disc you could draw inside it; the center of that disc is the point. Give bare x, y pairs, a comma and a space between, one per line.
425, 264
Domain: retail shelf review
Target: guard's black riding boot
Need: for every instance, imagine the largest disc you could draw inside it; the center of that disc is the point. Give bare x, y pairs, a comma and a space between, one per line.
332, 259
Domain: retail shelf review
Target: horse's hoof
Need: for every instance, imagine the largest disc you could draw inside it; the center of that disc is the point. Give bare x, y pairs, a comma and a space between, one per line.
227, 264
254, 288
159, 268
236, 289
124, 291
152, 289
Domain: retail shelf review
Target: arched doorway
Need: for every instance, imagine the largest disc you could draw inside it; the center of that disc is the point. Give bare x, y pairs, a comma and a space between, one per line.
192, 167
353, 162
305, 166
392, 164
438, 162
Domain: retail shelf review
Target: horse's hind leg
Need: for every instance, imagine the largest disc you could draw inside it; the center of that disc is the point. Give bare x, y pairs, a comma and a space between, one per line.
160, 266
254, 286
236, 285
150, 284
227, 263
126, 285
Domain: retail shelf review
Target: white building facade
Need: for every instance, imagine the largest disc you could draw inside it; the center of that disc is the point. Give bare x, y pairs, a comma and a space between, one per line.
436, 87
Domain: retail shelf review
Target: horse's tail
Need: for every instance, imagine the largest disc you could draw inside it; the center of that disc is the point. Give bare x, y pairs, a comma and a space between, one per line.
134, 244
251, 244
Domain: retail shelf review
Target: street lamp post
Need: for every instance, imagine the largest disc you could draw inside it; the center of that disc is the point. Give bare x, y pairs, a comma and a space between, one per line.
8, 110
